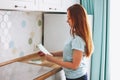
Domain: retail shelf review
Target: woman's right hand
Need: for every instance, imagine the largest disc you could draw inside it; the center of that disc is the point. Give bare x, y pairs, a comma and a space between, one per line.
40, 53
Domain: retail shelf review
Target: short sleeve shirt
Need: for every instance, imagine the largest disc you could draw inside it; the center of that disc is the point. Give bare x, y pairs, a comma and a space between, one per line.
78, 44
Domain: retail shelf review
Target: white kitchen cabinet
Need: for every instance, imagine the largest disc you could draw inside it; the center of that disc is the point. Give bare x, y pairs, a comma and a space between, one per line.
50, 5
55, 5
37, 5
67, 3
18, 4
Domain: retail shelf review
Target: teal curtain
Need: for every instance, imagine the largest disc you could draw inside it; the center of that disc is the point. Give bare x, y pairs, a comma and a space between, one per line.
100, 57
88, 5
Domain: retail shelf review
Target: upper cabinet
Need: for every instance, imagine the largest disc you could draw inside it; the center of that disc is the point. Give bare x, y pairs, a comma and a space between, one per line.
52, 5
68, 3
37, 5
18, 4
48, 5
55, 5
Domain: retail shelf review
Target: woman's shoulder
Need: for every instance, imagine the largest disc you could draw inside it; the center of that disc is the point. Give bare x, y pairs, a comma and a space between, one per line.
78, 43
78, 38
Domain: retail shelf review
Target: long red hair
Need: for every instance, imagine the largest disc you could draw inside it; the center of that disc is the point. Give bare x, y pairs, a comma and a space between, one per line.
81, 26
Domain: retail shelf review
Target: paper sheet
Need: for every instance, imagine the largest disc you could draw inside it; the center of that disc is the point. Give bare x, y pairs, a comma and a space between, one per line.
43, 49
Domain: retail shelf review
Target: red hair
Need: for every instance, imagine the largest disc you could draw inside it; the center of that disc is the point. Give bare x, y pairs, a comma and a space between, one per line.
81, 26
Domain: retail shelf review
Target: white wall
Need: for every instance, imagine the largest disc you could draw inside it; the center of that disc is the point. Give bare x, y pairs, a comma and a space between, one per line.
114, 39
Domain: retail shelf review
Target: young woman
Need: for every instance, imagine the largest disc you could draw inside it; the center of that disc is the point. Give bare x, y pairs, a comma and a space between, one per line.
78, 49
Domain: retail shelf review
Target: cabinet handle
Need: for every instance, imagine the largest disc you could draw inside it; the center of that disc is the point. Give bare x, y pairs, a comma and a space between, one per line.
16, 6
52, 9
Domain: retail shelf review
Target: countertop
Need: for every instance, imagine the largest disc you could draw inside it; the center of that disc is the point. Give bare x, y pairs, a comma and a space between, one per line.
22, 67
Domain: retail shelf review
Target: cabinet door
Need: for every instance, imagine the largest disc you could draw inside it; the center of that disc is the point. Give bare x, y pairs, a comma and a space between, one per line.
52, 5
18, 4
39, 5
67, 3
5, 4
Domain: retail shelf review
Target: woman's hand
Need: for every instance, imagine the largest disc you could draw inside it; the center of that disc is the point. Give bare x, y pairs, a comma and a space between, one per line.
40, 53
46, 56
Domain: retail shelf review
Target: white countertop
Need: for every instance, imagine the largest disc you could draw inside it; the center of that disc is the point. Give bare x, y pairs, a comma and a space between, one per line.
22, 71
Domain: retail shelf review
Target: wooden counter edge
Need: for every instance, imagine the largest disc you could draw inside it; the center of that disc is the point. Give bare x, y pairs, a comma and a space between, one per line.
20, 59
52, 72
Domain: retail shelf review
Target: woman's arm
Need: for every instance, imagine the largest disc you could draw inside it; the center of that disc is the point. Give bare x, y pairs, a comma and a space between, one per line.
77, 57
57, 54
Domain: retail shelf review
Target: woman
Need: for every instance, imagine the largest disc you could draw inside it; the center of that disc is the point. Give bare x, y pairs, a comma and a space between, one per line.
78, 49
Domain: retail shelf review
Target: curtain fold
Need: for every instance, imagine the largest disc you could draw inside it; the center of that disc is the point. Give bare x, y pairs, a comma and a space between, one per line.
88, 5
100, 58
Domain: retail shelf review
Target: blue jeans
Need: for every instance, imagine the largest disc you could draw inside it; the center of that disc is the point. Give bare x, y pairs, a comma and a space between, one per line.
84, 77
